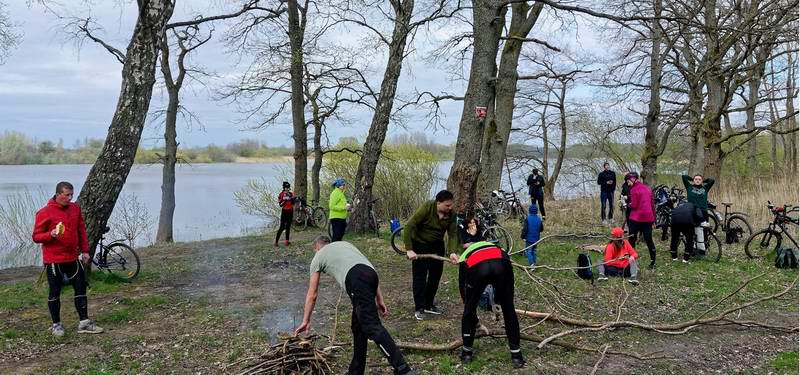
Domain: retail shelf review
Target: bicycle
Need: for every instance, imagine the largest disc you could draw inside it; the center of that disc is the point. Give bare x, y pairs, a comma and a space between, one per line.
761, 243
734, 224
305, 215
712, 244
665, 201
116, 258
507, 203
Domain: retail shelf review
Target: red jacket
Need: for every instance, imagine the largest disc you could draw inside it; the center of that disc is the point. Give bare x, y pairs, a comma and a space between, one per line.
641, 204
286, 200
613, 253
65, 247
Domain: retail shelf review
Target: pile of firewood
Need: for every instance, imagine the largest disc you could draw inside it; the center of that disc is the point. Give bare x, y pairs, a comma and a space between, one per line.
292, 355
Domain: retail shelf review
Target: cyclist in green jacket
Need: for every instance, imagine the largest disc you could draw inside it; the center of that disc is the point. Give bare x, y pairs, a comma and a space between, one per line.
338, 208
424, 234
697, 193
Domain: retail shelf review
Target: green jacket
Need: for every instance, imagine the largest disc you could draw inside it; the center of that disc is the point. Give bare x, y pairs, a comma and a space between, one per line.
337, 205
426, 227
698, 195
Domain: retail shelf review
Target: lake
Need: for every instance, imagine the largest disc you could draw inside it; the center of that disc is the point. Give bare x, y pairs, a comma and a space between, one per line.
205, 207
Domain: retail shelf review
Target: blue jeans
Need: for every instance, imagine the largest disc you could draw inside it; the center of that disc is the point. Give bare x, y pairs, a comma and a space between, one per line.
530, 253
606, 196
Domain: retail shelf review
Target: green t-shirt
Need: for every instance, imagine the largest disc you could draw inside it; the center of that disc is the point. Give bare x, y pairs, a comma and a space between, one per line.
336, 259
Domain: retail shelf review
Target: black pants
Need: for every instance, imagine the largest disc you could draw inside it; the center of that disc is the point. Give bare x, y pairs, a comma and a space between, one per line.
338, 226
361, 284
688, 233
646, 229
60, 274
606, 199
499, 274
538, 200
286, 223
426, 273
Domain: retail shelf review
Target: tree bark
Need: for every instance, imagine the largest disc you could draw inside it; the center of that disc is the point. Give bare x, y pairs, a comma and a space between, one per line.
296, 30
523, 18
487, 23
110, 170
550, 181
316, 167
650, 154
790, 147
711, 125
373, 146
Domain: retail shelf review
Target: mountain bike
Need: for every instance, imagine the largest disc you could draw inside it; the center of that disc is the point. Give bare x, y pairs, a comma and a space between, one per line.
734, 224
305, 215
491, 231
116, 258
712, 244
665, 200
761, 243
507, 203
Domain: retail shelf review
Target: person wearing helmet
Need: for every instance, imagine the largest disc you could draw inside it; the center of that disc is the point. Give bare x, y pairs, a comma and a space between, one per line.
642, 215
338, 208
619, 258
286, 201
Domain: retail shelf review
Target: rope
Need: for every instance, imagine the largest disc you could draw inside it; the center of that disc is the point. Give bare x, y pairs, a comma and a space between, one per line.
574, 235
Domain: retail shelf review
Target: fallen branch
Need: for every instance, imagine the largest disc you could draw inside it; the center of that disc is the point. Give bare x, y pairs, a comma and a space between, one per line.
294, 355
597, 364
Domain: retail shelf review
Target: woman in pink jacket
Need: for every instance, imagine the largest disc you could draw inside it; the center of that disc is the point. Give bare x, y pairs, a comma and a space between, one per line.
642, 215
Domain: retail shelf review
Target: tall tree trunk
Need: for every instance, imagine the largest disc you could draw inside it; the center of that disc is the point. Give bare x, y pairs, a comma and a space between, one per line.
365, 175
487, 23
109, 172
550, 180
790, 147
523, 17
650, 154
299, 128
173, 86
317, 166
711, 126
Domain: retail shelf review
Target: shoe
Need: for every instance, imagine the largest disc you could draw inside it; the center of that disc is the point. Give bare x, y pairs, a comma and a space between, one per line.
433, 310
466, 357
652, 266
633, 281
532, 267
674, 259
685, 261
287, 243
88, 326
418, 315
276, 245
602, 278
544, 218
57, 330
517, 360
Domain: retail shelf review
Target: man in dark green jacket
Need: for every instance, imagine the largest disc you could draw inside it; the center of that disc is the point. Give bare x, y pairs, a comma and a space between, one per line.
697, 192
424, 234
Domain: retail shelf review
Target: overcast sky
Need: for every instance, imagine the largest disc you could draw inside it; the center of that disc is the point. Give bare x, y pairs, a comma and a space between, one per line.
52, 89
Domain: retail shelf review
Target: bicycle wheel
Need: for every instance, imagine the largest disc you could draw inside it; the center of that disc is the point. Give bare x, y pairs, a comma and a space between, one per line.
713, 247
499, 235
762, 243
121, 261
300, 219
738, 230
397, 239
319, 217
713, 220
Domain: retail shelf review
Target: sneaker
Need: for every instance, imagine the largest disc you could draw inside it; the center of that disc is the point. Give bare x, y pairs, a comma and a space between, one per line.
544, 218
517, 360
418, 315
88, 326
287, 243
674, 259
652, 266
433, 310
685, 261
602, 278
57, 330
633, 281
466, 357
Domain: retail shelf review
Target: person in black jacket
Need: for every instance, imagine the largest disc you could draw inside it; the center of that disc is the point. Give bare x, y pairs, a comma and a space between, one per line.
625, 199
683, 220
607, 180
536, 190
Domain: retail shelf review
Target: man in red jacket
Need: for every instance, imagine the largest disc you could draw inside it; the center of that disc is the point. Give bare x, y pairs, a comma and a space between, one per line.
60, 229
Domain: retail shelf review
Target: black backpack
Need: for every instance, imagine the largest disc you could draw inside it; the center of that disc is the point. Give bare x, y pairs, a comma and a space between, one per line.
585, 264
786, 258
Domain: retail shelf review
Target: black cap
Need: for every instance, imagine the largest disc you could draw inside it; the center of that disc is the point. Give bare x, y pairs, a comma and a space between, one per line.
286, 184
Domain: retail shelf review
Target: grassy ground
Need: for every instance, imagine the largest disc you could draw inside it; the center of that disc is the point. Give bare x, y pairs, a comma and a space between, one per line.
199, 306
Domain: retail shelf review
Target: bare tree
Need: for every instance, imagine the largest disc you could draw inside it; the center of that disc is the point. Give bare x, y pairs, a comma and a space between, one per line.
8, 38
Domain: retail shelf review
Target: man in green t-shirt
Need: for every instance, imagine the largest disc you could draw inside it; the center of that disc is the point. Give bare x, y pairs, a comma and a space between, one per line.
424, 234
356, 275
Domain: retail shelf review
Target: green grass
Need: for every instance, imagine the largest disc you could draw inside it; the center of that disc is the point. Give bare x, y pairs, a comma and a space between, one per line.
786, 362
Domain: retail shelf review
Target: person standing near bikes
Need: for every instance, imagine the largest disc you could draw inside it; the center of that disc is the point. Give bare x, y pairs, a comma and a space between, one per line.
607, 180
625, 199
642, 215
60, 229
424, 234
338, 208
683, 219
286, 201
697, 193
536, 190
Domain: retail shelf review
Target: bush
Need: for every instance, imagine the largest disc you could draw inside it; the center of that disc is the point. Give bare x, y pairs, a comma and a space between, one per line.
403, 179
259, 198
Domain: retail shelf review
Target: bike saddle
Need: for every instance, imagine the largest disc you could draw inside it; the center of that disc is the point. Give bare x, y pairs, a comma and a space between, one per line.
727, 204
106, 230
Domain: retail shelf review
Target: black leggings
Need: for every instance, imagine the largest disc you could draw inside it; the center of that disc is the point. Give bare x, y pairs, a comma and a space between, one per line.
425, 274
361, 284
60, 274
286, 223
338, 227
499, 274
688, 232
646, 229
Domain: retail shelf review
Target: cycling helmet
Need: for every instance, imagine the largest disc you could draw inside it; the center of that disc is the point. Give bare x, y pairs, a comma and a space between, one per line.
338, 183
632, 175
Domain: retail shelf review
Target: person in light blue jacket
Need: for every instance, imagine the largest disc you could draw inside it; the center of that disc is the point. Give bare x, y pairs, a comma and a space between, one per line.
531, 230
